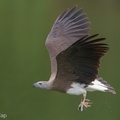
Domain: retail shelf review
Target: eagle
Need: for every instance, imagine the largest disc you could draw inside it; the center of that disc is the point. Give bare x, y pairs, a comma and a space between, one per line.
75, 57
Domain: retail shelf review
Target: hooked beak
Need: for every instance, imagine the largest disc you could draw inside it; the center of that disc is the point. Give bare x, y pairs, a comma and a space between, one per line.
34, 85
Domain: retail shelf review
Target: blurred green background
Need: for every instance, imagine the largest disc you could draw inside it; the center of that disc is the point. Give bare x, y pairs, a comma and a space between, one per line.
24, 26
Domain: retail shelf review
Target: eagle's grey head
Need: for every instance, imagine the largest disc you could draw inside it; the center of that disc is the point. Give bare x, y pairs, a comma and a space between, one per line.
41, 84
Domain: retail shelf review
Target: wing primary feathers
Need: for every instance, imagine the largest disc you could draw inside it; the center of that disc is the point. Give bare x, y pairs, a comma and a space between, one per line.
76, 34
79, 19
68, 13
76, 13
93, 41
90, 37
85, 38
62, 14
79, 26
85, 30
94, 44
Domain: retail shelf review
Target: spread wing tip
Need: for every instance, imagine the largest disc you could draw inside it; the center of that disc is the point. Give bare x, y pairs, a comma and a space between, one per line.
68, 12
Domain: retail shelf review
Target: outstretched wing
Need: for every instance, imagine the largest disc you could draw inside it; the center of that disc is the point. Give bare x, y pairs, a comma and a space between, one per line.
81, 59
67, 29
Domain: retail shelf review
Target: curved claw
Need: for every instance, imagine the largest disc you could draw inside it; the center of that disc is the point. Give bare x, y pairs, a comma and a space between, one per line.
84, 104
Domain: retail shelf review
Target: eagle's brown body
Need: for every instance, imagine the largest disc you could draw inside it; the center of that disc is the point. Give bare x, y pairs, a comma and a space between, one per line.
75, 57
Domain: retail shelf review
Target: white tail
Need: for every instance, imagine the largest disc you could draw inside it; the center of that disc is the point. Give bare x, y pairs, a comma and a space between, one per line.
100, 85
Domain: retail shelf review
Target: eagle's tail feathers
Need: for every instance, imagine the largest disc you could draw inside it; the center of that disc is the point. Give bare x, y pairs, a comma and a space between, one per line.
100, 85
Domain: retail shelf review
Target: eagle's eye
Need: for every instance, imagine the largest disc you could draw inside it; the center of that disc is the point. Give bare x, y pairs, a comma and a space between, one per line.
40, 83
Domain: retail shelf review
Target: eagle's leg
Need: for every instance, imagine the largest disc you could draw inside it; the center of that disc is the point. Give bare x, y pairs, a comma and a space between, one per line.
85, 103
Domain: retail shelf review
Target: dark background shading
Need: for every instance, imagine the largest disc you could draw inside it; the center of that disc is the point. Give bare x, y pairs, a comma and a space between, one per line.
24, 26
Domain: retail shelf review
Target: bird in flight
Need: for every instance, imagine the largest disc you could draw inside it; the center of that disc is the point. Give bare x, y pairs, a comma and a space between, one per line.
75, 57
